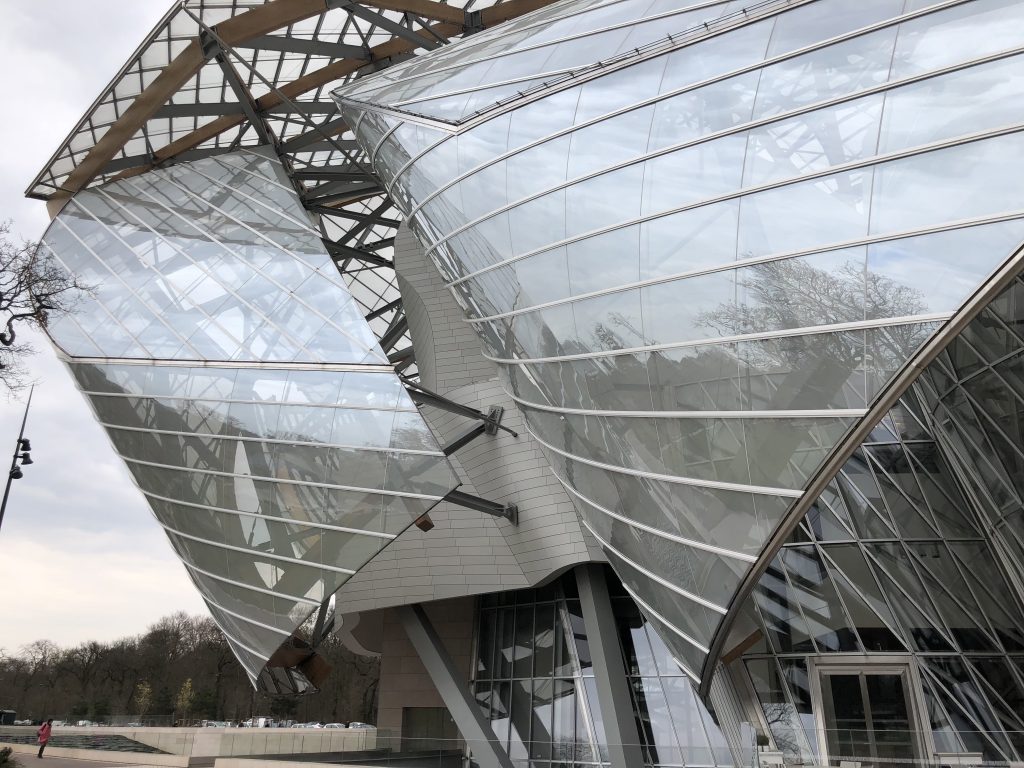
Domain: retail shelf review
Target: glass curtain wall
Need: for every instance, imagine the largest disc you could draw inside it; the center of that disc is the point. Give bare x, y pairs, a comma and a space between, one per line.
534, 679
907, 568
696, 264
238, 380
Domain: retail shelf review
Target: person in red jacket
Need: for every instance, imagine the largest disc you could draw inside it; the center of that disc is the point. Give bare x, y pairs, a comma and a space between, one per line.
44, 735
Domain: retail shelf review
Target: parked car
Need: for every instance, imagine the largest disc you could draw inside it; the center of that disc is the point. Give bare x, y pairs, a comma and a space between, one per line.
364, 726
335, 725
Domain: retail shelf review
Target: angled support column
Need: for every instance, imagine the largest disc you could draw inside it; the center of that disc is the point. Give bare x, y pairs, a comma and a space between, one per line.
454, 691
609, 668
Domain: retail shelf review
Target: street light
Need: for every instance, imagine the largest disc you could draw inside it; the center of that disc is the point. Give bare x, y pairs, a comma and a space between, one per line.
21, 453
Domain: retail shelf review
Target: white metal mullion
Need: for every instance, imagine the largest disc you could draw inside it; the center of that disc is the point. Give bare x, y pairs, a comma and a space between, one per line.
155, 315
281, 480
735, 265
294, 297
656, 531
270, 441
267, 365
171, 396
726, 76
305, 225
188, 258
647, 608
242, 585
885, 322
783, 414
223, 160
654, 577
284, 289
219, 607
632, 22
743, 192
674, 479
261, 516
255, 552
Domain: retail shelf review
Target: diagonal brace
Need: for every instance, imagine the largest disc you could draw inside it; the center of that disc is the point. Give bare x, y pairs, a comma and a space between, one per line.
424, 396
509, 512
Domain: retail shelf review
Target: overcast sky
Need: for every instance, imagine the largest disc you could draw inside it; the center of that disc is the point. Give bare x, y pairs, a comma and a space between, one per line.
81, 557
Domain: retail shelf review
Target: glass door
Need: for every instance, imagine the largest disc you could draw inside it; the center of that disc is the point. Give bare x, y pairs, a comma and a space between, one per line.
867, 715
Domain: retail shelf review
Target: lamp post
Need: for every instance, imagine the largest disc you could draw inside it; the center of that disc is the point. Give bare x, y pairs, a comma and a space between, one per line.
21, 449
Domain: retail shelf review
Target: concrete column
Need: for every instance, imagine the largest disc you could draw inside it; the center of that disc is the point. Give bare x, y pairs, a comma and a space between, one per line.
462, 706
609, 670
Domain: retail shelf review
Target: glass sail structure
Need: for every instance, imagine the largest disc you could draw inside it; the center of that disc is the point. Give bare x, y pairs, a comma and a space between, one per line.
698, 257
911, 559
238, 380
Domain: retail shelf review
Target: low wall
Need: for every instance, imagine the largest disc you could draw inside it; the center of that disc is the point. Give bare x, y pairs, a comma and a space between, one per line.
240, 742
220, 742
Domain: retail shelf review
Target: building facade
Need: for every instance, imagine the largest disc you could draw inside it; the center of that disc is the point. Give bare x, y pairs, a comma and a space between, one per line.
642, 381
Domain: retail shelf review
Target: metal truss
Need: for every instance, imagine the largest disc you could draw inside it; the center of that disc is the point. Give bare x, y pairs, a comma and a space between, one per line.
216, 76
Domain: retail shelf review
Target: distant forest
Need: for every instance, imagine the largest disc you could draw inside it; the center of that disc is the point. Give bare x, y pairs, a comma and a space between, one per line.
180, 670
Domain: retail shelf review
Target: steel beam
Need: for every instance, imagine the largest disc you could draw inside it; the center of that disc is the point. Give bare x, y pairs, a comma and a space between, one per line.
454, 690
354, 215
134, 161
384, 309
609, 668
334, 193
399, 325
465, 439
307, 47
509, 512
348, 252
333, 145
252, 23
199, 110
423, 396
428, 9
384, 23
245, 100
322, 131
328, 174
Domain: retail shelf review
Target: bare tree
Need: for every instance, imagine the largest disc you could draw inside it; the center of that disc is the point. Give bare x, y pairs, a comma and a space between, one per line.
33, 288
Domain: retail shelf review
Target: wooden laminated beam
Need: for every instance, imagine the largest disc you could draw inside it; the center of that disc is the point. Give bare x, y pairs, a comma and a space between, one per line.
308, 82
245, 26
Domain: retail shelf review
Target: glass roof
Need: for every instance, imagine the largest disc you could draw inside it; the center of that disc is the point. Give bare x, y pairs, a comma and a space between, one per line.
535, 51
216, 76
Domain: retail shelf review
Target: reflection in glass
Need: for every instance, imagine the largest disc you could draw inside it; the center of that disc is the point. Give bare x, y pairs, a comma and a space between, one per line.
263, 426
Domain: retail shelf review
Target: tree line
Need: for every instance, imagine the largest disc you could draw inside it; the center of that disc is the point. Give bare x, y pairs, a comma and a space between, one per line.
181, 670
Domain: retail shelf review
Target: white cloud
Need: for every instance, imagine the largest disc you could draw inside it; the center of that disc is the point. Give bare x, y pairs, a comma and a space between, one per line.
90, 586
80, 554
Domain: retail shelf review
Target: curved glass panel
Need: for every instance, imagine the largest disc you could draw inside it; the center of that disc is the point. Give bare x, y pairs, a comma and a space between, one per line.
698, 266
246, 393
912, 554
